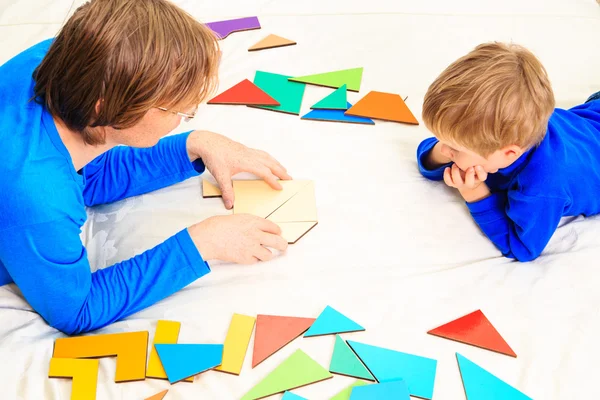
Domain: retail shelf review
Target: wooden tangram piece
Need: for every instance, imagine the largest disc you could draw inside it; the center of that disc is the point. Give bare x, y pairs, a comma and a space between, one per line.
244, 93
396, 390
210, 190
293, 208
474, 329
332, 321
167, 332
236, 343
271, 42
83, 372
297, 370
184, 360
352, 78
158, 396
345, 362
288, 94
480, 384
334, 101
345, 393
384, 106
227, 27
336, 116
273, 332
130, 349
292, 396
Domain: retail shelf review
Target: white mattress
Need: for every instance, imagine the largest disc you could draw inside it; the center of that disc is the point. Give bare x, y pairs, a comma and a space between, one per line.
395, 252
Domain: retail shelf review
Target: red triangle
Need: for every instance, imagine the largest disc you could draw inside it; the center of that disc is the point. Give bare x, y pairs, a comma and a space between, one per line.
245, 93
474, 329
274, 332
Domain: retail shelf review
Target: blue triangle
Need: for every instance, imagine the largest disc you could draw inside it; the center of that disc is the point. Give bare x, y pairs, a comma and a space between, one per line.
479, 384
332, 321
396, 390
389, 365
181, 361
292, 396
336, 116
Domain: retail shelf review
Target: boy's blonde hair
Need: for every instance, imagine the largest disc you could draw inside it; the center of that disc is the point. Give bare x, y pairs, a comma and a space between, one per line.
132, 55
497, 95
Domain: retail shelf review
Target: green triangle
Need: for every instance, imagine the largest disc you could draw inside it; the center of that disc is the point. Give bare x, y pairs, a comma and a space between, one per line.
345, 394
345, 362
334, 101
297, 370
335, 79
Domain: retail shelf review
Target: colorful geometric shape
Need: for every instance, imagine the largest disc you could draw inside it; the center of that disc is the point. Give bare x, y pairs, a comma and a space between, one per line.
297, 370
167, 332
334, 101
129, 347
396, 390
331, 321
384, 106
184, 360
345, 393
336, 116
288, 94
389, 365
271, 42
474, 329
244, 93
480, 384
345, 362
84, 373
292, 396
350, 77
158, 396
227, 27
236, 343
273, 332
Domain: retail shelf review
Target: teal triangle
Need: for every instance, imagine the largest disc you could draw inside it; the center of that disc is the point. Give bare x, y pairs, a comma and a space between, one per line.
337, 116
396, 390
479, 384
334, 101
332, 321
390, 365
345, 362
181, 361
292, 396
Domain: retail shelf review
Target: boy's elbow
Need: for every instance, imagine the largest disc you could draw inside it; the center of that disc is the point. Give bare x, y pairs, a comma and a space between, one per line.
72, 325
523, 255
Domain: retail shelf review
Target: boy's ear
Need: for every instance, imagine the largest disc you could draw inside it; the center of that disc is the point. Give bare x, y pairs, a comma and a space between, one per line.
512, 152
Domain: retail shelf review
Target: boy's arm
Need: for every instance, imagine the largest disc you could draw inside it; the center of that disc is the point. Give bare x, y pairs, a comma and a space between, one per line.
126, 171
49, 264
431, 160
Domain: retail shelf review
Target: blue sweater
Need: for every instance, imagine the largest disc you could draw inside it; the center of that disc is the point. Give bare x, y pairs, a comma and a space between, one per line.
42, 210
560, 177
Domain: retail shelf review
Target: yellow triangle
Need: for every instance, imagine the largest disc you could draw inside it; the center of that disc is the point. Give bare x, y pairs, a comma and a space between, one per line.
300, 208
258, 198
292, 231
209, 189
270, 42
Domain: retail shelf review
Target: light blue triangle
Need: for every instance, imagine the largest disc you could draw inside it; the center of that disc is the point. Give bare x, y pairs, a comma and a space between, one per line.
334, 101
332, 321
396, 390
337, 116
292, 396
345, 362
480, 384
390, 365
181, 361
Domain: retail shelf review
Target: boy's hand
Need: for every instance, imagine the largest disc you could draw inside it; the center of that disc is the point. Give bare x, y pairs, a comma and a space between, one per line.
470, 184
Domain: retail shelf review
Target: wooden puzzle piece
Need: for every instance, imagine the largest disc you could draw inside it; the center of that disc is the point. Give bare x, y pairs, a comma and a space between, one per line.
474, 329
396, 390
297, 370
292, 396
158, 396
244, 93
388, 365
271, 42
236, 343
336, 116
350, 77
273, 332
334, 101
331, 321
130, 349
345, 362
288, 94
384, 106
181, 361
227, 27
83, 372
210, 190
167, 332
345, 393
480, 384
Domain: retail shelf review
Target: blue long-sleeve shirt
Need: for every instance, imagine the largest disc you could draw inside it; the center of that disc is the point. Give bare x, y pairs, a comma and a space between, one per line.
42, 210
560, 177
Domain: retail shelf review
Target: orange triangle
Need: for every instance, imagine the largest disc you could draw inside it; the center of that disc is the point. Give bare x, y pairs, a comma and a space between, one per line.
158, 396
474, 329
274, 332
245, 93
385, 106
270, 42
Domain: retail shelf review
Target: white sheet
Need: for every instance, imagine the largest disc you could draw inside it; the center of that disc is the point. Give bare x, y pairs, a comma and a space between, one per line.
398, 254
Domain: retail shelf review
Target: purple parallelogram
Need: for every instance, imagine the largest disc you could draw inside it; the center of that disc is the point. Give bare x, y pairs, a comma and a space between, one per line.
225, 28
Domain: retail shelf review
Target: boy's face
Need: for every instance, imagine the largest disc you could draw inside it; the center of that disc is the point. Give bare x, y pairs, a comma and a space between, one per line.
465, 158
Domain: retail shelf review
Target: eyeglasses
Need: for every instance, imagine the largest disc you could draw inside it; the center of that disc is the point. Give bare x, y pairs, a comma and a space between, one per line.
186, 116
